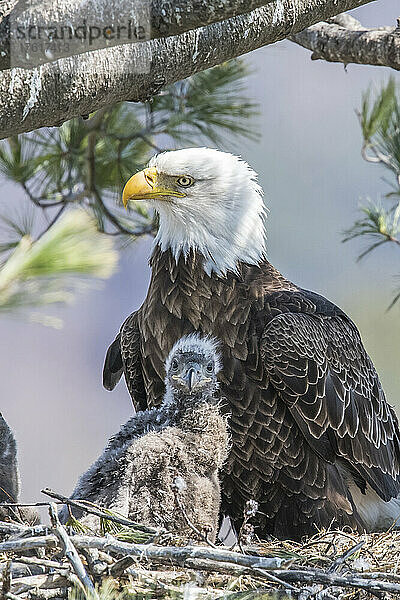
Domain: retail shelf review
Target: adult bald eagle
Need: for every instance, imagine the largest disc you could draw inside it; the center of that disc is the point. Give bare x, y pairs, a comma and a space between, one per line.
314, 440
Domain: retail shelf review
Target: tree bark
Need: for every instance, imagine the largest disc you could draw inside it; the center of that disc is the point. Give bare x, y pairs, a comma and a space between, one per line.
156, 19
6, 7
52, 93
345, 40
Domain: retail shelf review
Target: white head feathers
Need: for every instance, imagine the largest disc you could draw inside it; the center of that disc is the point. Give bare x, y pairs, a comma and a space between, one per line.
222, 215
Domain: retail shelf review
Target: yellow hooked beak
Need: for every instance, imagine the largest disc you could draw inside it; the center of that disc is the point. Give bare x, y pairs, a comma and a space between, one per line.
143, 186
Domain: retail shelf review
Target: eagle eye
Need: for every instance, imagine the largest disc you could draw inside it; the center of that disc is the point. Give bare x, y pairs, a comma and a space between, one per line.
185, 181
174, 364
210, 367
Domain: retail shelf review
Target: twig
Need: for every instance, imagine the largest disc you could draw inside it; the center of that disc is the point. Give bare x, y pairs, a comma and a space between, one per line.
177, 555
44, 541
95, 510
24, 504
17, 516
56, 593
121, 565
381, 575
45, 581
6, 578
70, 551
91, 182
52, 221
51, 564
332, 579
14, 528
341, 559
271, 577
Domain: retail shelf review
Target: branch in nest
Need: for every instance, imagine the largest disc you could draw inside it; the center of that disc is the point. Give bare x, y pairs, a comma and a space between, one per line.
99, 512
71, 552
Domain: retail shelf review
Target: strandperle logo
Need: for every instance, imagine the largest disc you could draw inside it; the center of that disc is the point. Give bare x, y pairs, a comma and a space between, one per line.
38, 36
87, 33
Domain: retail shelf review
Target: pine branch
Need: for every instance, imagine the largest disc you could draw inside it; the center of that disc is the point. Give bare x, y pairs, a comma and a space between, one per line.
380, 126
48, 270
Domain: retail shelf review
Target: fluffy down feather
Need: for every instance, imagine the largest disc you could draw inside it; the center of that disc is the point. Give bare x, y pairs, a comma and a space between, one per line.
160, 453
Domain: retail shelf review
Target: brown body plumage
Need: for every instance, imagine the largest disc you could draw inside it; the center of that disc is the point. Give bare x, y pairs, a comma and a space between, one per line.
308, 411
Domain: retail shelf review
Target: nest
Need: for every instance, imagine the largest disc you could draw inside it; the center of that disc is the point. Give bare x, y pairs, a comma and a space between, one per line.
133, 561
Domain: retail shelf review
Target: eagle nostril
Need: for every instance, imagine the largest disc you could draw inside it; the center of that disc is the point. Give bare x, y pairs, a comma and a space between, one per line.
149, 179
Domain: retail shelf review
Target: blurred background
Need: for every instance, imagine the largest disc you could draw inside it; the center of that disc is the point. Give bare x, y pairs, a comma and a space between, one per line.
309, 163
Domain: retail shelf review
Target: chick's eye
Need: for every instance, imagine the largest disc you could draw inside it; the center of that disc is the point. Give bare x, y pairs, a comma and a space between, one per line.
185, 181
174, 364
210, 367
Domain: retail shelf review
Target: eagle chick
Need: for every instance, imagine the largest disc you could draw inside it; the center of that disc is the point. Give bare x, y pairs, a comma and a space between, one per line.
10, 479
161, 468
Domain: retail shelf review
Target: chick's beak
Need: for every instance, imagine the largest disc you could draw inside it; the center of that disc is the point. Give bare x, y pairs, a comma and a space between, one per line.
190, 379
145, 186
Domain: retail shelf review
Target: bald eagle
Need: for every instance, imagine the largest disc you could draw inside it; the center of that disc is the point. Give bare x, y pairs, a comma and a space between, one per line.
166, 459
314, 440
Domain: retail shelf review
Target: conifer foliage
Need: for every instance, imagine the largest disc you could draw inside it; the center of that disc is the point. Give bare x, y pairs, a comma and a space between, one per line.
84, 164
380, 126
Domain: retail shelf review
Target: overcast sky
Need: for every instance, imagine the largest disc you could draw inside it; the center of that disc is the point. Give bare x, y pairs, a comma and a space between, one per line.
309, 163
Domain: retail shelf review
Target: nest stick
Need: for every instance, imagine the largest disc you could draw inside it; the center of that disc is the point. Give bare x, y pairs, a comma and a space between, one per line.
70, 551
94, 510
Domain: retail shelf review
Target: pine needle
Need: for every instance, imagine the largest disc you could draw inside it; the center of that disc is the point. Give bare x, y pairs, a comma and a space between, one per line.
61, 262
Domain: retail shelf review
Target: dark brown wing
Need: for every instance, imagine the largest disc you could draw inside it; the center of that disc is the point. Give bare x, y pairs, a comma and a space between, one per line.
124, 356
321, 370
113, 367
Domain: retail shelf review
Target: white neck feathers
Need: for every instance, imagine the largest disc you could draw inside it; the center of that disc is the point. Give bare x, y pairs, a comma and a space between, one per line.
222, 217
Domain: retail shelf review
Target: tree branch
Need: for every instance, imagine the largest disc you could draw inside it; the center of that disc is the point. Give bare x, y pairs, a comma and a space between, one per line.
158, 18
55, 92
345, 40
6, 7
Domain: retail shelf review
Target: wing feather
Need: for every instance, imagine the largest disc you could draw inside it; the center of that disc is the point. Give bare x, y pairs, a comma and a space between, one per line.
124, 356
113, 367
321, 370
